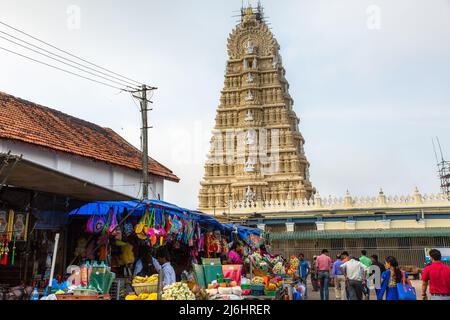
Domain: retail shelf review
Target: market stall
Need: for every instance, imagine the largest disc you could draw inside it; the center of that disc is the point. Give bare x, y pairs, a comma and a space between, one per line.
160, 251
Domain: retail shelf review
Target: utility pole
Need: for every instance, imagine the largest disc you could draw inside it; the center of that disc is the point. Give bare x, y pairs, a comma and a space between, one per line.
145, 127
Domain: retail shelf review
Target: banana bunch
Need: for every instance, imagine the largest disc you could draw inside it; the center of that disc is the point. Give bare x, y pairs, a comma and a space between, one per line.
148, 280
279, 268
142, 296
257, 281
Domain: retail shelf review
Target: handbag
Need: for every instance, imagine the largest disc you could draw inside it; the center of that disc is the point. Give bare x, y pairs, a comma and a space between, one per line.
405, 292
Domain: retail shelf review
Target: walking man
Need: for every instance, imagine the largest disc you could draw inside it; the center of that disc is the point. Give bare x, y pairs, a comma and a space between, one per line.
324, 265
303, 271
345, 257
437, 275
365, 260
376, 262
355, 277
339, 280
314, 274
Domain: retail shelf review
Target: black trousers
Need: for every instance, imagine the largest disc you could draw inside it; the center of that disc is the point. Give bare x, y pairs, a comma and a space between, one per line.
355, 290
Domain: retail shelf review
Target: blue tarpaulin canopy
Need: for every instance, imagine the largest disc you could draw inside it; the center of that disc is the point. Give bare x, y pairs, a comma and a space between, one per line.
243, 232
138, 210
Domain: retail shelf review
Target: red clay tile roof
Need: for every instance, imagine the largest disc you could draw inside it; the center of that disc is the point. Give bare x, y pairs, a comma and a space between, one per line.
31, 123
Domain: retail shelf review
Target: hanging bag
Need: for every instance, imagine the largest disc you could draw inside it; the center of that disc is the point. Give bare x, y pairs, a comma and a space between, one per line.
142, 227
96, 224
113, 221
405, 291
151, 231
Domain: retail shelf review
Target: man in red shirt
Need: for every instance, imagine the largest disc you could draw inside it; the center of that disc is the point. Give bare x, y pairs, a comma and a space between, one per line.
438, 275
324, 264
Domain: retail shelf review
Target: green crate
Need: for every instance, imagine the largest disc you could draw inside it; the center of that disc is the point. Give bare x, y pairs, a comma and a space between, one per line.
270, 293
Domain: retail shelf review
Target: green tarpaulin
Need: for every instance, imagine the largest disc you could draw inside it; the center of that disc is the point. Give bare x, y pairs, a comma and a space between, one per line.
355, 234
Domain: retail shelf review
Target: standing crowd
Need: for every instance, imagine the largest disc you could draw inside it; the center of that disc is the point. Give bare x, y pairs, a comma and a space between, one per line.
354, 278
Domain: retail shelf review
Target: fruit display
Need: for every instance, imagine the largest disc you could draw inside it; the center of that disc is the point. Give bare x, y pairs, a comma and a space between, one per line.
147, 279
142, 296
201, 294
293, 265
177, 291
257, 281
256, 257
274, 283
216, 285
273, 261
279, 268
294, 261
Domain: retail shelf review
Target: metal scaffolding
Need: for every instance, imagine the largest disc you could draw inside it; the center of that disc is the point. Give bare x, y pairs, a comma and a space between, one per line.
444, 176
443, 169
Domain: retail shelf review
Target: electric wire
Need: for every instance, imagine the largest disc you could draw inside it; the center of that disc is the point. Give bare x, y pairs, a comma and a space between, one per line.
59, 56
61, 69
68, 64
68, 53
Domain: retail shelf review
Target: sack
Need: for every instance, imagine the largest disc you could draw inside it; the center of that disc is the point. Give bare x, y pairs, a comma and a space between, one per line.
96, 224
233, 272
405, 292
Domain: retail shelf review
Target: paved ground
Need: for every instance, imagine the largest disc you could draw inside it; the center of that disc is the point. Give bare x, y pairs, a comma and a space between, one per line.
316, 295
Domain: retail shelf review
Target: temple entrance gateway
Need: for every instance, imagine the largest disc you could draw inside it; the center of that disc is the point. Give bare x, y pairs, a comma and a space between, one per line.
258, 154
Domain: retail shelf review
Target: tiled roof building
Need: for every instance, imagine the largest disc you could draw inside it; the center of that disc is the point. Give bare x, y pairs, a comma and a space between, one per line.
31, 123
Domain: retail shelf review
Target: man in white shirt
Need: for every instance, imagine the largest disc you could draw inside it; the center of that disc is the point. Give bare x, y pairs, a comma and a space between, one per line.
355, 275
162, 262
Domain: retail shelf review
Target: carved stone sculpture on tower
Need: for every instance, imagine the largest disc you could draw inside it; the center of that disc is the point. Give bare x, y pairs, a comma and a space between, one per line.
250, 47
249, 117
249, 96
250, 78
249, 195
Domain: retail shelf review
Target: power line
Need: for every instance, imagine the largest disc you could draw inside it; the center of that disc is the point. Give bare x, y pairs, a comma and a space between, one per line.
68, 64
68, 53
59, 56
67, 71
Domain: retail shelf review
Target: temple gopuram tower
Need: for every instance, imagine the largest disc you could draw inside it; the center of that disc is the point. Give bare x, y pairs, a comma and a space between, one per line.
257, 152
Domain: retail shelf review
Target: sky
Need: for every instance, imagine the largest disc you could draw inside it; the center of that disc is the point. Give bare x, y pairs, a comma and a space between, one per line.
370, 80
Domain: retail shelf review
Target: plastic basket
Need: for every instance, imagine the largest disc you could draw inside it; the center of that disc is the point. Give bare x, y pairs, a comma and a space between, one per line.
246, 286
257, 290
85, 292
258, 287
211, 261
260, 272
84, 298
145, 288
270, 293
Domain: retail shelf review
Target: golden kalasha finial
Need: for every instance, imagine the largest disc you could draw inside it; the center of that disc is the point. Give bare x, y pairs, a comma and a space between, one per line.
249, 11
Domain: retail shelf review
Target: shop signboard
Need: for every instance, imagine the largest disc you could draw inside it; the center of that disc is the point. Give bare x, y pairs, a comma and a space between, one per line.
14, 223
3, 221
445, 252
